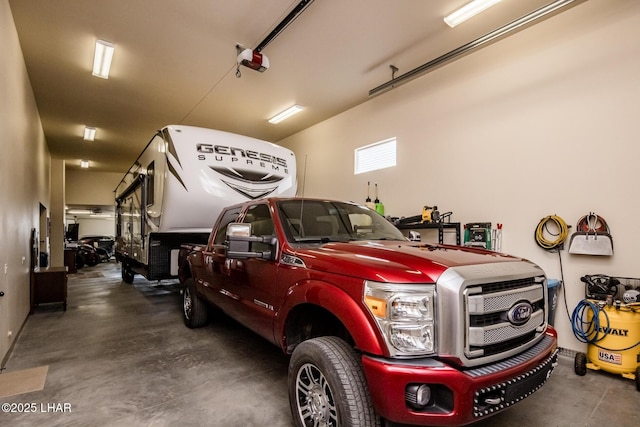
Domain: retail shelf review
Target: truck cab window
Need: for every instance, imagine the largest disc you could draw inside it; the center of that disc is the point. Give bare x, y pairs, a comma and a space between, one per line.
261, 224
228, 217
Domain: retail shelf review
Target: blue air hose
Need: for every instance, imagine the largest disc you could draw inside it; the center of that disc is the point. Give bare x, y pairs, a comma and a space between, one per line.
588, 331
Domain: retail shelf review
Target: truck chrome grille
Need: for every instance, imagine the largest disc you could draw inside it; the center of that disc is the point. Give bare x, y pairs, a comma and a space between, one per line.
500, 316
504, 331
487, 312
500, 301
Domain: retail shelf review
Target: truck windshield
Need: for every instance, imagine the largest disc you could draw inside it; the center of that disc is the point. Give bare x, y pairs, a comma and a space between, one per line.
329, 221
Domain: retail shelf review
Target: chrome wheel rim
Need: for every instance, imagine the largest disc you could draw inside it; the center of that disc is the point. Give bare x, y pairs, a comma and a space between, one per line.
316, 406
187, 303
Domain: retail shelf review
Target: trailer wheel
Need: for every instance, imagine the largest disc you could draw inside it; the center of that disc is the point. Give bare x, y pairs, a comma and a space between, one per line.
327, 385
580, 364
127, 274
194, 309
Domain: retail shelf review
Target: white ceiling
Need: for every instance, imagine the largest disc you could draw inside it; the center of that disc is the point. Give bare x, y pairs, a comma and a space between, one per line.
175, 63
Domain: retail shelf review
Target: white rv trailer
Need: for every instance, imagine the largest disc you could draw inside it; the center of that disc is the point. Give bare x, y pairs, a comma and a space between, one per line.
178, 186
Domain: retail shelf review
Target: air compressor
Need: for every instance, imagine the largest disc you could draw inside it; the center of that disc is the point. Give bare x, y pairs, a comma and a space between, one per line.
610, 326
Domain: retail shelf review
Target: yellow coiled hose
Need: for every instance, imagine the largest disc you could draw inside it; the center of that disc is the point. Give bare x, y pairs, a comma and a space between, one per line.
560, 237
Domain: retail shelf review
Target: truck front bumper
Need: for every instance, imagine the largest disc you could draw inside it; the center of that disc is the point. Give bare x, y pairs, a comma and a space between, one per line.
458, 397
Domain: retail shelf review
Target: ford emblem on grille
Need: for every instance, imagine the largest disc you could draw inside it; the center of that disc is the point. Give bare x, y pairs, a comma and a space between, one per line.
520, 313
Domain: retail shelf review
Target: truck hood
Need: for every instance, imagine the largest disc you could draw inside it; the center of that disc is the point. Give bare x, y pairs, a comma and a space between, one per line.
393, 261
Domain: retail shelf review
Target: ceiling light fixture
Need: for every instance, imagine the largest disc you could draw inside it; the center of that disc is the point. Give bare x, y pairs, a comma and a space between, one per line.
294, 109
79, 211
467, 11
102, 59
89, 133
84, 164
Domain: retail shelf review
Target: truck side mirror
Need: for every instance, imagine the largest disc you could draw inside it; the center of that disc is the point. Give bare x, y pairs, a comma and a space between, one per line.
236, 242
239, 241
239, 229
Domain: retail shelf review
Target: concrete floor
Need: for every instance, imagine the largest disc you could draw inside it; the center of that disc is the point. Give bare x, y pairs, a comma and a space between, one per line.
121, 356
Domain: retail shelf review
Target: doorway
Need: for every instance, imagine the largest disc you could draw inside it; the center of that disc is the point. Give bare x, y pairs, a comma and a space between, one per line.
44, 233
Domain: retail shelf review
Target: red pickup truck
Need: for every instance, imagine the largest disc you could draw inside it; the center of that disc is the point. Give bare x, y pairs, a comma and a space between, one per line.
381, 330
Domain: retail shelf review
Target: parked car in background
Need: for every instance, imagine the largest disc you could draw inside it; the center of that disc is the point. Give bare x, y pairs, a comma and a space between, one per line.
103, 245
87, 255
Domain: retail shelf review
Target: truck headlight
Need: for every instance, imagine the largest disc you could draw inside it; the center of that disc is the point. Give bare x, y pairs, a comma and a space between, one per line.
405, 315
405, 307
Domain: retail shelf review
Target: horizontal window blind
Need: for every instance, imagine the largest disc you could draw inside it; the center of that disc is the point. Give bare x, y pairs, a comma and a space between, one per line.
378, 155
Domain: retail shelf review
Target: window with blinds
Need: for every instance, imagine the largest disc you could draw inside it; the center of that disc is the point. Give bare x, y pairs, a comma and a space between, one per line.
378, 155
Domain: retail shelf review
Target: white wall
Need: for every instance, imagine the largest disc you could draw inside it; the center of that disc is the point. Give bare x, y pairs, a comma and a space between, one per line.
24, 180
91, 188
544, 122
96, 227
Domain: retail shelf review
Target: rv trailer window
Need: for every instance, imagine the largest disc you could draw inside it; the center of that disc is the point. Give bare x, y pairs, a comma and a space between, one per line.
118, 219
151, 188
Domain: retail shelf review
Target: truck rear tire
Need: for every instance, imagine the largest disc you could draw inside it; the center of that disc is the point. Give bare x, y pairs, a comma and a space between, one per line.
194, 309
327, 385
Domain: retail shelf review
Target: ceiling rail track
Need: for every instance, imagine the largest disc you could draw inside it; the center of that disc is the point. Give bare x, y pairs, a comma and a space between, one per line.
520, 23
300, 7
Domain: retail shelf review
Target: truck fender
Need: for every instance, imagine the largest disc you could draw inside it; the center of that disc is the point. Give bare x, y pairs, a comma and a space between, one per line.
190, 258
353, 316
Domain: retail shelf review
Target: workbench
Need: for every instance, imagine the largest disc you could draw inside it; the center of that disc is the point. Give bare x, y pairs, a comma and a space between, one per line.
442, 227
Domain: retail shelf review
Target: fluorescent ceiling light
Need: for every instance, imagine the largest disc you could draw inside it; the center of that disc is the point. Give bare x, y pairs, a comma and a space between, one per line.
467, 11
79, 211
89, 133
84, 163
102, 59
285, 114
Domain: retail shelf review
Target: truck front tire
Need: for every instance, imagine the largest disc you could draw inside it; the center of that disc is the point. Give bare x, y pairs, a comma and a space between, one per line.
194, 309
327, 385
